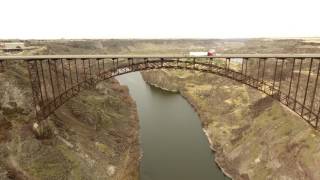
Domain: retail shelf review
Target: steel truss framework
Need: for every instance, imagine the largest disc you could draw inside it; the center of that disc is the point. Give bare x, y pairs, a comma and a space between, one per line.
290, 79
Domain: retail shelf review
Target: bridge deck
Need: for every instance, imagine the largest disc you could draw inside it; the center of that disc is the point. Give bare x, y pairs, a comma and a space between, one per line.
37, 57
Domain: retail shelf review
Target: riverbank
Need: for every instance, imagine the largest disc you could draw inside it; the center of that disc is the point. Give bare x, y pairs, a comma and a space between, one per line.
254, 136
162, 88
149, 78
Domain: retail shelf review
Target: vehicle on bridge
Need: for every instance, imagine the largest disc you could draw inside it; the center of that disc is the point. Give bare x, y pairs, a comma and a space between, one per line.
211, 52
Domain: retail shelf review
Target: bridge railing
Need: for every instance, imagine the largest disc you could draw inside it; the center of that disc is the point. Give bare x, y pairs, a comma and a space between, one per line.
291, 79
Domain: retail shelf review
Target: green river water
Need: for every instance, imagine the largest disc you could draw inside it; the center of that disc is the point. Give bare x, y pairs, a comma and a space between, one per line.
172, 141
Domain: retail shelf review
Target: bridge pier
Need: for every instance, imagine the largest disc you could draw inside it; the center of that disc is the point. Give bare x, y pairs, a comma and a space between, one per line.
2, 66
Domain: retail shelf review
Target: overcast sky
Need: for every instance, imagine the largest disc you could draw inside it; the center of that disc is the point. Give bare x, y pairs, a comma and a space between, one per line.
47, 19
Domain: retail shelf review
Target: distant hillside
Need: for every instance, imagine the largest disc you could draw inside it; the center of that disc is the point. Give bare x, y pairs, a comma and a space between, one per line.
177, 46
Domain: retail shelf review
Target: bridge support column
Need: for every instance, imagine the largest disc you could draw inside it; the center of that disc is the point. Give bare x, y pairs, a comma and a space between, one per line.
146, 63
194, 63
36, 87
314, 92
2, 68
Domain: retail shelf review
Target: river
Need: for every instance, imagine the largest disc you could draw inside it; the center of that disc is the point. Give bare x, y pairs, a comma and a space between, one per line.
172, 141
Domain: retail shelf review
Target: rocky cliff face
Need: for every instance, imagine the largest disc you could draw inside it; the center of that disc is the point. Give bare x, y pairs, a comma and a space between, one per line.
253, 135
93, 136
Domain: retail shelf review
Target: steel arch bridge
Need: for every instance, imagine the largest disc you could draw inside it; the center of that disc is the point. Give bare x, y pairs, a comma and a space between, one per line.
292, 79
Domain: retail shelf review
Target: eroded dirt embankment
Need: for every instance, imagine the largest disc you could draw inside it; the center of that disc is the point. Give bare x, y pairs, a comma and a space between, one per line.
253, 135
93, 136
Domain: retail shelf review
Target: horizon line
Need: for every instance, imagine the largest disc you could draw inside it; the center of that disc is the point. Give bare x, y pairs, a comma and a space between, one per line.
184, 38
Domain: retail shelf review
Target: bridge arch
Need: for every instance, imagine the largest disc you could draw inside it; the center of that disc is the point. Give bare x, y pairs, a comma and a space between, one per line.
290, 79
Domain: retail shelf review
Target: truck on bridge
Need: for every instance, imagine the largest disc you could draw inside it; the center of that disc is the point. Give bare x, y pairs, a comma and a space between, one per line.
210, 52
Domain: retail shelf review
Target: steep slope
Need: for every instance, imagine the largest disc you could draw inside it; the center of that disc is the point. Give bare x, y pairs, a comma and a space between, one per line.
93, 136
253, 135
